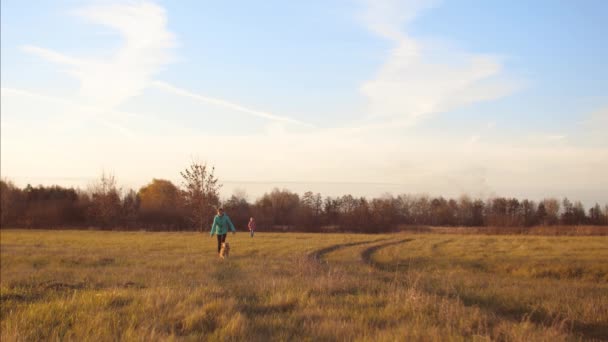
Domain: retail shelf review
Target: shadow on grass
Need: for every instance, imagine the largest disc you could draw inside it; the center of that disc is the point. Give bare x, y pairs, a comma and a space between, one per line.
269, 309
520, 313
226, 270
88, 262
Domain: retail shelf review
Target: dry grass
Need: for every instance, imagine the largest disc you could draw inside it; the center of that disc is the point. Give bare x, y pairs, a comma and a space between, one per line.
582, 230
76, 285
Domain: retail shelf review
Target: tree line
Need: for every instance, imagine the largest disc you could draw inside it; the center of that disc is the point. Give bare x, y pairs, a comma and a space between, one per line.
163, 205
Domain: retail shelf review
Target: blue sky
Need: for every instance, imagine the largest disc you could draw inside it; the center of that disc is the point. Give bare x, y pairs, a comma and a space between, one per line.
365, 97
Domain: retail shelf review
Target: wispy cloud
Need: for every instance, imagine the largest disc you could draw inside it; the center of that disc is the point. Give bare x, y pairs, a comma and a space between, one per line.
146, 48
415, 81
225, 104
55, 57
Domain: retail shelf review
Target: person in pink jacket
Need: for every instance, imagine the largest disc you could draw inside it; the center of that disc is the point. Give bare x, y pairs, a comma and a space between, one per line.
251, 226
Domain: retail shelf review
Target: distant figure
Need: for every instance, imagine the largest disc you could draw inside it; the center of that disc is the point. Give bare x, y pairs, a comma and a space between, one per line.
251, 226
220, 225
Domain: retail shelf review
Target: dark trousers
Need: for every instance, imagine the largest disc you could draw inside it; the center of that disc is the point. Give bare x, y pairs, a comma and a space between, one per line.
220, 240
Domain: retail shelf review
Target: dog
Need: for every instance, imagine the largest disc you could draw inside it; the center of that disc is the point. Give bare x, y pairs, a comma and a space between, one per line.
225, 250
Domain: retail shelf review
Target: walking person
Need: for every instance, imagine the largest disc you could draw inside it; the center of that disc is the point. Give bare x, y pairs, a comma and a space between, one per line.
220, 225
251, 226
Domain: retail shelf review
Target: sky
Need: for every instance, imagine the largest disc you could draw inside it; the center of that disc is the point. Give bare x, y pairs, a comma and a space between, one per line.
367, 97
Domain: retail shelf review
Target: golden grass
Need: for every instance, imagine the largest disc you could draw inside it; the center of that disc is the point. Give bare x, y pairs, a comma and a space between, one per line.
92, 285
556, 230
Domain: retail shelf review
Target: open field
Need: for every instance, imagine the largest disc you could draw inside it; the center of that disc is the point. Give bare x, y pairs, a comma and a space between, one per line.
101, 286
573, 230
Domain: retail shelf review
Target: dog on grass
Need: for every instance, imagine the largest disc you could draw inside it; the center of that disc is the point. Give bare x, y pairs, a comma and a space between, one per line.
225, 250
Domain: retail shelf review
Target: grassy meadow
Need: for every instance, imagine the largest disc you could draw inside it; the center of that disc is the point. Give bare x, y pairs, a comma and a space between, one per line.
102, 286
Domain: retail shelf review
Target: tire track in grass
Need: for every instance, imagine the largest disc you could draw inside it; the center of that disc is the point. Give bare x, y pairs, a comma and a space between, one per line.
367, 254
253, 304
436, 245
590, 331
319, 255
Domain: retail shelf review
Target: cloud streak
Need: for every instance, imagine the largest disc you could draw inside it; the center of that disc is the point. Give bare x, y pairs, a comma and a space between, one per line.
225, 104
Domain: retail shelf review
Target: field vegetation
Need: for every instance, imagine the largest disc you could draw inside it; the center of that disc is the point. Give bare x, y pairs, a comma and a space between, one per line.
100, 285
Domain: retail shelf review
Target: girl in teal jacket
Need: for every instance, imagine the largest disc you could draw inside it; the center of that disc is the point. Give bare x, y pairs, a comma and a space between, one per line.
220, 225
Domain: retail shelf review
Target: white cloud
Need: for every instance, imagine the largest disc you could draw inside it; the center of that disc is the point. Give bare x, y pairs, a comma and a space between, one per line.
146, 48
386, 17
415, 82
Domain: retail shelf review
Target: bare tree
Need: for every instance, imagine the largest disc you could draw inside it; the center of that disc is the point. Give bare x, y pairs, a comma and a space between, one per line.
105, 207
201, 193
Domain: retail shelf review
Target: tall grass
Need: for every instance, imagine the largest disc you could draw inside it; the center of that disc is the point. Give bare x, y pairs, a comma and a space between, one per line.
75, 285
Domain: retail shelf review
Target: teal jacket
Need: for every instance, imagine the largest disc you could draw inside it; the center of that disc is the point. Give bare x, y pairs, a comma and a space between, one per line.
220, 225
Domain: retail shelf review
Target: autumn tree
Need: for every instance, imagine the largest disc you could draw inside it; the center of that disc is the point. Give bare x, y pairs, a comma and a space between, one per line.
52, 206
478, 209
551, 209
161, 205
310, 210
529, 213
404, 208
541, 213
363, 216
420, 209
465, 211
277, 208
130, 209
573, 213
384, 213
201, 194
12, 204
330, 211
347, 205
442, 211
